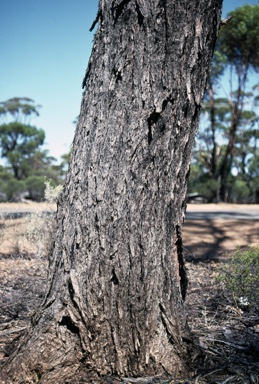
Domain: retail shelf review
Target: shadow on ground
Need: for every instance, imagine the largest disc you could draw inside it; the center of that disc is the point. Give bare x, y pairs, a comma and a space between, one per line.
216, 240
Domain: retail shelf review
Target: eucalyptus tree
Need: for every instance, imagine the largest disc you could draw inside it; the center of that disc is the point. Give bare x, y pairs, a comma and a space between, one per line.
115, 300
230, 101
239, 41
19, 141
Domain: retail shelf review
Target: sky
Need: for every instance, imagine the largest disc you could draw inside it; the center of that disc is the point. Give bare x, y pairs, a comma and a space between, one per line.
45, 47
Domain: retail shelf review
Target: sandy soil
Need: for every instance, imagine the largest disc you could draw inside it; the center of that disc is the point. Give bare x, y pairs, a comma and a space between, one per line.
208, 240
221, 207
26, 206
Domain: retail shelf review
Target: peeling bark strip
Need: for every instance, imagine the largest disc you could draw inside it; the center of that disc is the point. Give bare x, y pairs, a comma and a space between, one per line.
96, 20
114, 305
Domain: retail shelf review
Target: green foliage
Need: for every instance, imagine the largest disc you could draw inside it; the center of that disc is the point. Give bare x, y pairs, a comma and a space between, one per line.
253, 165
21, 137
13, 188
218, 66
239, 40
201, 183
19, 144
35, 185
240, 191
5, 174
19, 141
19, 108
226, 148
241, 276
208, 188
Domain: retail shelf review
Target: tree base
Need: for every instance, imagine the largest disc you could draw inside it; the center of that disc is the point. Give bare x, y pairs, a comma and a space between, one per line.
54, 355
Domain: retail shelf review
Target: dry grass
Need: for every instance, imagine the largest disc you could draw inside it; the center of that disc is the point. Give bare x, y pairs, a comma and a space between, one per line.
27, 235
13, 237
27, 206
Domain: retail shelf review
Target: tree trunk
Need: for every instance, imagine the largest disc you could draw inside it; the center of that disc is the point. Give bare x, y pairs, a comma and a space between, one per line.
236, 108
115, 302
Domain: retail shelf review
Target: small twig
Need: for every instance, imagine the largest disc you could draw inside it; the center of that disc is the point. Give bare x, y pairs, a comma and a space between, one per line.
205, 287
12, 331
140, 380
227, 343
229, 378
215, 371
197, 379
214, 352
225, 21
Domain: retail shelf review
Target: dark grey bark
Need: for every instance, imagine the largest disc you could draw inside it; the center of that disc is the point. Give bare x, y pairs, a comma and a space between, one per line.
117, 281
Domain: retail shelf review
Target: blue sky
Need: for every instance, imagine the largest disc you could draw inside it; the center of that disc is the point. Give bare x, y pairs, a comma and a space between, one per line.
45, 46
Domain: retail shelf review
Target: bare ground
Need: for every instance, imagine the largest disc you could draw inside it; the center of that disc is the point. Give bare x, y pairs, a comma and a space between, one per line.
216, 240
228, 338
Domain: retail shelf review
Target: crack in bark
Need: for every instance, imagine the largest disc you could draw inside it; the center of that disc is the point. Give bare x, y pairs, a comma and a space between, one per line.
152, 119
118, 74
140, 16
71, 291
156, 115
67, 322
114, 278
170, 328
86, 75
118, 9
182, 270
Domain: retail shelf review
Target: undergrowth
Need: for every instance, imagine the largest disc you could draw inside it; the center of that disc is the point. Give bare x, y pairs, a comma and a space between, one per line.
241, 277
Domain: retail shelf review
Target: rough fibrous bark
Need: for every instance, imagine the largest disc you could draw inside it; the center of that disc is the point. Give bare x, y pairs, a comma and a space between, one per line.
117, 281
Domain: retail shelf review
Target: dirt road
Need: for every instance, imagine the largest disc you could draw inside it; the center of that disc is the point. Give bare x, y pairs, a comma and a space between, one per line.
222, 211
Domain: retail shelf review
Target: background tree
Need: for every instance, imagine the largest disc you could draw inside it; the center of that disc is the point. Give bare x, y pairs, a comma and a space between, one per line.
21, 109
117, 282
21, 147
18, 145
19, 141
230, 126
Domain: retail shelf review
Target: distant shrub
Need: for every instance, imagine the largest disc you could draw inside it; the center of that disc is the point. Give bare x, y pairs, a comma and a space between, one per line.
39, 232
240, 191
241, 277
41, 226
36, 187
52, 192
13, 189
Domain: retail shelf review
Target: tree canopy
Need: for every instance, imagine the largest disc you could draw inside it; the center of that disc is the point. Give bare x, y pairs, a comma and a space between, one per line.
239, 40
19, 108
